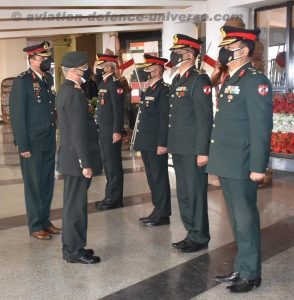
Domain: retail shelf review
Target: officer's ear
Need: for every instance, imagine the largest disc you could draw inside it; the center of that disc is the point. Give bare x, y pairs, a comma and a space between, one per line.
244, 51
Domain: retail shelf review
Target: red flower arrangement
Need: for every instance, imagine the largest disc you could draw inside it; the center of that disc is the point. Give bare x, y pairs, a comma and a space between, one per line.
282, 142
283, 103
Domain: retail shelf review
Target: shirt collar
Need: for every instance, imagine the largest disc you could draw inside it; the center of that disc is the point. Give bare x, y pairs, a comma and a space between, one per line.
37, 73
74, 82
106, 76
234, 71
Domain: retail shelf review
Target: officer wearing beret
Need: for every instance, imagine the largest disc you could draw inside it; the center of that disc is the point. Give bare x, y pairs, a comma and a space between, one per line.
78, 159
151, 139
110, 119
239, 150
32, 111
190, 120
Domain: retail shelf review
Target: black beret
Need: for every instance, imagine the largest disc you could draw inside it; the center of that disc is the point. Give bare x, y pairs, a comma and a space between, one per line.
74, 59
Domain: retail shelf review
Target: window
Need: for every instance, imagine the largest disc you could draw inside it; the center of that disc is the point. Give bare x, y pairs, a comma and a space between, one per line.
276, 25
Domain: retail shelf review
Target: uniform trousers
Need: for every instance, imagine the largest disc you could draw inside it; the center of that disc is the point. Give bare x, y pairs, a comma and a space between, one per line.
38, 177
156, 167
241, 198
112, 164
74, 216
192, 184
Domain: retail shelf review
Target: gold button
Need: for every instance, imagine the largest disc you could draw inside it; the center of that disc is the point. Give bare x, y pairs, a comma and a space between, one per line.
172, 95
212, 141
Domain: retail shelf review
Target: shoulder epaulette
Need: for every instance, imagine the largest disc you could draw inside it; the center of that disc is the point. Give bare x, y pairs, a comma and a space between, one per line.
252, 70
24, 73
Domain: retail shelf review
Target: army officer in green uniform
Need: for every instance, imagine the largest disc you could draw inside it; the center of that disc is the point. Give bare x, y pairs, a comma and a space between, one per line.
110, 119
239, 150
78, 157
151, 139
190, 120
32, 110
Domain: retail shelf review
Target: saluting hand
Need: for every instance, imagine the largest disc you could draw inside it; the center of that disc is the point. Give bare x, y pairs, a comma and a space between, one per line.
201, 160
27, 154
87, 172
116, 137
161, 150
259, 177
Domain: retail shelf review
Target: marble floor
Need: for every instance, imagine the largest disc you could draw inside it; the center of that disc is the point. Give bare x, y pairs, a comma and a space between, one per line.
138, 263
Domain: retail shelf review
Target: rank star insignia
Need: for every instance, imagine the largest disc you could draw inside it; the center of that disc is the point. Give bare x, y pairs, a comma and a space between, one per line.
119, 91
207, 89
263, 89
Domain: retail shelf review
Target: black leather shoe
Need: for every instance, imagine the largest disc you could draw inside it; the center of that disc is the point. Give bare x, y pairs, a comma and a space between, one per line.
109, 205
228, 278
89, 251
97, 203
156, 222
180, 243
190, 246
144, 219
244, 285
84, 259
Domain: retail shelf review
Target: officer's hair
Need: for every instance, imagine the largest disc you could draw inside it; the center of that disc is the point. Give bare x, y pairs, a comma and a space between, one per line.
250, 45
65, 70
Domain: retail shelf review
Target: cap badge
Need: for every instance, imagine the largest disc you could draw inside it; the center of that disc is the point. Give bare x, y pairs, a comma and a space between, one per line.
175, 39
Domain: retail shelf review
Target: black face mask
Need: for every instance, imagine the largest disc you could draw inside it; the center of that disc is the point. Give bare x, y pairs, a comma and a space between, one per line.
176, 58
226, 56
99, 73
143, 76
87, 74
45, 65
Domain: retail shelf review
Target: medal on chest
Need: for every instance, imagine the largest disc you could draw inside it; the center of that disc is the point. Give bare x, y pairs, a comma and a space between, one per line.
102, 93
36, 87
181, 91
